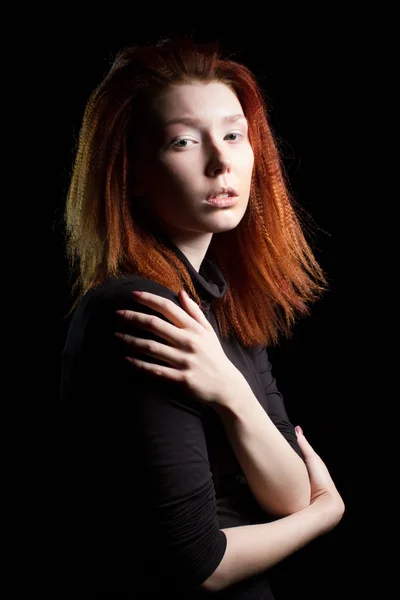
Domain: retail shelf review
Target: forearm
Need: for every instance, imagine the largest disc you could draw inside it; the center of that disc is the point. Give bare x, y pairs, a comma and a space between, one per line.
251, 549
275, 473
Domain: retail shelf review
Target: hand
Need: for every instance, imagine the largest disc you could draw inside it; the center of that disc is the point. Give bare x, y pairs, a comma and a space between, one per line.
323, 490
195, 354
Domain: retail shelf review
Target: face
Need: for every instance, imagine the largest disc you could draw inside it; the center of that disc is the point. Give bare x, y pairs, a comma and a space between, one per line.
204, 149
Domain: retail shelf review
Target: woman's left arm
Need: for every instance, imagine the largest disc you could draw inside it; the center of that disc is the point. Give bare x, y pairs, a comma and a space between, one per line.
263, 444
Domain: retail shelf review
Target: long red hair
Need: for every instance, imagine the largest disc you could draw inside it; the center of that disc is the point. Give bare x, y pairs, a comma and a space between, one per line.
270, 269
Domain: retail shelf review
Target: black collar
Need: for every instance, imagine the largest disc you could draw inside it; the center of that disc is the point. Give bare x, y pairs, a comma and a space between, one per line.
209, 282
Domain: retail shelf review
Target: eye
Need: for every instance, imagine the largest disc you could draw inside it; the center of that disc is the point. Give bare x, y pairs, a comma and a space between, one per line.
237, 134
177, 143
183, 142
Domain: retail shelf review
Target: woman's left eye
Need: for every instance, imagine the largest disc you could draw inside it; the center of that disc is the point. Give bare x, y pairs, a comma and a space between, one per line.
237, 134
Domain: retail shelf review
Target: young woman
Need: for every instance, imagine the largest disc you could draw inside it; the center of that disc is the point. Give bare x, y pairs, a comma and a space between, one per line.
182, 472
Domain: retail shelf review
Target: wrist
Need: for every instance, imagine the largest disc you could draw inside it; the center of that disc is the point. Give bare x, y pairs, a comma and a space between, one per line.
231, 394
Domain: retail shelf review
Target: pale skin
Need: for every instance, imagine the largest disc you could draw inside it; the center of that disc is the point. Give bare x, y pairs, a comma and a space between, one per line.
180, 163
195, 354
251, 549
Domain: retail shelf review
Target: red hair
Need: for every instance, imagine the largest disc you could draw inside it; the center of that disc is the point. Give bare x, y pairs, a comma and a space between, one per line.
270, 269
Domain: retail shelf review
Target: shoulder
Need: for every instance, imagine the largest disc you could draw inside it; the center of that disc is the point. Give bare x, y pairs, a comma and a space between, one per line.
122, 288
117, 293
95, 313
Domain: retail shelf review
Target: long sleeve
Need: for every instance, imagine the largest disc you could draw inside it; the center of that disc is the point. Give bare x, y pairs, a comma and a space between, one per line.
274, 400
138, 459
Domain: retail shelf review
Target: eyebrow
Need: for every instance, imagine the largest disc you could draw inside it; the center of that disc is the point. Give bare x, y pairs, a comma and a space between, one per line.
194, 121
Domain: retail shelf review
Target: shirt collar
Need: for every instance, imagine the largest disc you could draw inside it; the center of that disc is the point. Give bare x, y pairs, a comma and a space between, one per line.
209, 282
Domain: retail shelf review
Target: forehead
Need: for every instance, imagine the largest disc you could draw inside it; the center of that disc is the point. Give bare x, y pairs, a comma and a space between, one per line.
205, 101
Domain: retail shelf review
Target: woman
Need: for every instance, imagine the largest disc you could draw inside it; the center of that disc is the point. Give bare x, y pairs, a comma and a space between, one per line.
183, 474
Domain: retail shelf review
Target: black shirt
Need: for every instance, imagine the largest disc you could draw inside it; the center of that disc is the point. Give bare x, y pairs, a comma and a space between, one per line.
149, 478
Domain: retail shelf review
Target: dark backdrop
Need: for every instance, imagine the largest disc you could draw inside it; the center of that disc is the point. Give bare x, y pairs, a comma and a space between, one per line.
305, 82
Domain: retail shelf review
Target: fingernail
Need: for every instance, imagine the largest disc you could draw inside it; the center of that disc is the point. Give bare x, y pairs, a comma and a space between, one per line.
187, 295
299, 430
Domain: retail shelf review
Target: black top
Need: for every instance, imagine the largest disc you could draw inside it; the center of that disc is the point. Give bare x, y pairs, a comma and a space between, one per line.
149, 477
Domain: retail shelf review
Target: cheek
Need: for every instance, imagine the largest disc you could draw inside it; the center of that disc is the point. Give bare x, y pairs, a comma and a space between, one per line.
160, 174
247, 161
178, 170
166, 181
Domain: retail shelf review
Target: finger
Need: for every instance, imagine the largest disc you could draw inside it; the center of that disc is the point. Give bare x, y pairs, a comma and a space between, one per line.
169, 309
308, 451
155, 349
173, 335
305, 446
156, 370
193, 309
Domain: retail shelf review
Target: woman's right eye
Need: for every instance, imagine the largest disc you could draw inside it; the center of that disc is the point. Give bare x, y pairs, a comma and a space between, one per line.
177, 143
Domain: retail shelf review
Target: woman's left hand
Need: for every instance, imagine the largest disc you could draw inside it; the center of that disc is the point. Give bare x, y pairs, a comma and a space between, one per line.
194, 351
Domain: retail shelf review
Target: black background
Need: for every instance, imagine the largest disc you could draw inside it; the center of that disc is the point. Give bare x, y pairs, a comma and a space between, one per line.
305, 75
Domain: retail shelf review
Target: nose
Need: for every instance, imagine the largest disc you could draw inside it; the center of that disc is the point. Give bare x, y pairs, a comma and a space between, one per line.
218, 165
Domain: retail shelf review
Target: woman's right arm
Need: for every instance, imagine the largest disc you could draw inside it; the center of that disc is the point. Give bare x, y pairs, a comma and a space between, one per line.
251, 549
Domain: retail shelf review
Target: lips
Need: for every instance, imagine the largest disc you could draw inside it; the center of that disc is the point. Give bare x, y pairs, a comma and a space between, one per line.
223, 190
